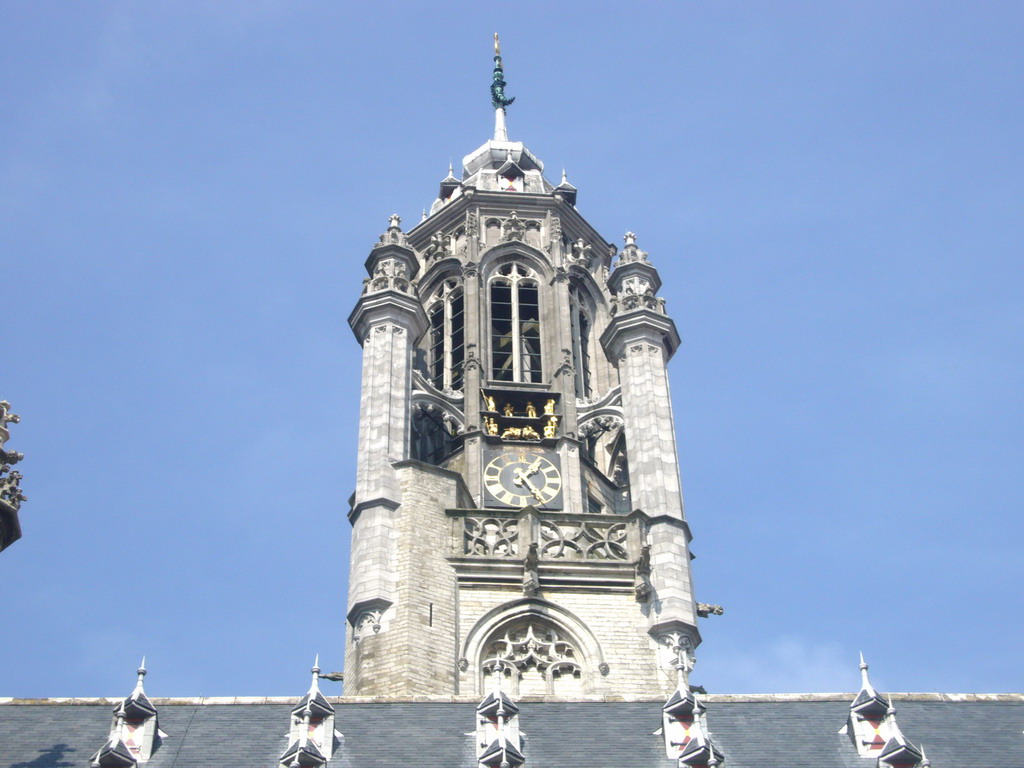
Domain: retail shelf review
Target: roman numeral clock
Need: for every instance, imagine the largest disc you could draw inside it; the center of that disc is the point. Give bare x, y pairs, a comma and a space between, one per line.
515, 477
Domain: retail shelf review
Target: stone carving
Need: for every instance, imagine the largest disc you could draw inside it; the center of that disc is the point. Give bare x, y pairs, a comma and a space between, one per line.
472, 225
642, 572
566, 368
531, 578
554, 234
630, 253
599, 425
472, 362
463, 664
533, 645
490, 536
394, 234
603, 668
367, 622
675, 650
439, 247
513, 228
6, 417
707, 609
636, 293
583, 541
10, 490
580, 253
388, 273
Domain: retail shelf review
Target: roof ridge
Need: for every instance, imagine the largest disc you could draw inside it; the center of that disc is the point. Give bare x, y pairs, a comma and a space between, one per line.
711, 697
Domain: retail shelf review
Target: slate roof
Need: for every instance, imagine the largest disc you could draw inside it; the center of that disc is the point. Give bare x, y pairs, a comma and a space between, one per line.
751, 731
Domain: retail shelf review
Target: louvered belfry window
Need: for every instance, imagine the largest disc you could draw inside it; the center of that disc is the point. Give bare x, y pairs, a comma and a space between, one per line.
515, 325
447, 336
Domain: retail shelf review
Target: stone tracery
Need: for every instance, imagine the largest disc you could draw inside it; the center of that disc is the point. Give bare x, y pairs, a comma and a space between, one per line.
545, 658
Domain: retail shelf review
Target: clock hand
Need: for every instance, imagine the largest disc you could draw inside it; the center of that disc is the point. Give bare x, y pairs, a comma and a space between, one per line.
523, 479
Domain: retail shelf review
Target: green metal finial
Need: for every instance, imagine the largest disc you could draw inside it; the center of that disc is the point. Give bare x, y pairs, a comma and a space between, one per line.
498, 100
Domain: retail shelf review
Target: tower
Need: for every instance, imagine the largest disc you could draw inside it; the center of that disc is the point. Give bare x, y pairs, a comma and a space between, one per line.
518, 509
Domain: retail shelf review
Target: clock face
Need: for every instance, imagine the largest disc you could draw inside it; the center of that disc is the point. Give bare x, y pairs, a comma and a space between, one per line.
518, 478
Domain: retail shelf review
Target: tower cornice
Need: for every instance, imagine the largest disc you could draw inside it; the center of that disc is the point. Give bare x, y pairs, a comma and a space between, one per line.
640, 325
387, 306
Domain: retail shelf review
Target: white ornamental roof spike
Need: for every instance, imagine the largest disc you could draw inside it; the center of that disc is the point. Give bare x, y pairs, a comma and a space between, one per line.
394, 221
894, 727
629, 238
865, 684
314, 687
925, 762
683, 666
141, 672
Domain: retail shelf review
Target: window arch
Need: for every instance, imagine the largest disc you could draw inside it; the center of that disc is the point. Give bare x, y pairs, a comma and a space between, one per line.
536, 657
446, 352
433, 437
581, 322
515, 325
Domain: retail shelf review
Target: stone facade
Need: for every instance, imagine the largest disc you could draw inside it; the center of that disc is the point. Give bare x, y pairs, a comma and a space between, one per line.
518, 507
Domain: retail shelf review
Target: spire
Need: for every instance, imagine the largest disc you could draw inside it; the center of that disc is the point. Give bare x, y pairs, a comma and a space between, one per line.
498, 99
498, 739
864, 682
311, 736
141, 672
134, 730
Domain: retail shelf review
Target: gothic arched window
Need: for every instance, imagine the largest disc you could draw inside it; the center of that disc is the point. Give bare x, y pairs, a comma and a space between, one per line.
447, 336
432, 439
580, 322
515, 325
536, 657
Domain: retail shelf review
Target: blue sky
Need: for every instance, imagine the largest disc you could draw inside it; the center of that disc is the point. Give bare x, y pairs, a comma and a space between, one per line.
832, 192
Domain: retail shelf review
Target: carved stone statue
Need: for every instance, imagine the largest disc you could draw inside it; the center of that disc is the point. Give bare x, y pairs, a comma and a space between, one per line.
531, 580
6, 417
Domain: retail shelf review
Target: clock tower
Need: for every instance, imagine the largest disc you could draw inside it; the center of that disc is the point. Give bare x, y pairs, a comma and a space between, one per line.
518, 509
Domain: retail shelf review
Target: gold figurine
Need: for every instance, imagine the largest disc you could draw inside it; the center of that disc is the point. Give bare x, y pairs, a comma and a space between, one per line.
549, 407
531, 411
509, 410
491, 425
489, 402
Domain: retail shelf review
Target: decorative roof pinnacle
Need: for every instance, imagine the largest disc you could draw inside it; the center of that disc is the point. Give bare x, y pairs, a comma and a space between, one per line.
629, 238
498, 98
864, 682
141, 672
394, 221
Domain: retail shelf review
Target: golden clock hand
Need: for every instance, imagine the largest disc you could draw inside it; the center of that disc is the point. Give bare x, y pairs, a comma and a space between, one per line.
523, 479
